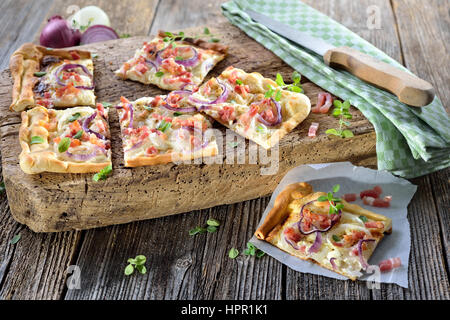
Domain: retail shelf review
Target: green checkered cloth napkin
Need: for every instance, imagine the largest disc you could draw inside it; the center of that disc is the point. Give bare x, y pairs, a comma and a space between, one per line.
410, 141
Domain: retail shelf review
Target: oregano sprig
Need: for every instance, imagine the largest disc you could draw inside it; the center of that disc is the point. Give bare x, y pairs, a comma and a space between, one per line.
170, 37
295, 86
341, 111
335, 204
211, 227
137, 263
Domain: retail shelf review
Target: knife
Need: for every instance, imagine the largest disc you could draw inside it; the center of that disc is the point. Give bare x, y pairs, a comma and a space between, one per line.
408, 88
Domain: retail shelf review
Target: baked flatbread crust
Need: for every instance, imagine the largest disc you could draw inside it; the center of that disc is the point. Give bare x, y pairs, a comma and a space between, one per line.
295, 107
286, 213
40, 157
26, 60
144, 68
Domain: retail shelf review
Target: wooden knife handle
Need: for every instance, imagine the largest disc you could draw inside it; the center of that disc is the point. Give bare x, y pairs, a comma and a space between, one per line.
407, 87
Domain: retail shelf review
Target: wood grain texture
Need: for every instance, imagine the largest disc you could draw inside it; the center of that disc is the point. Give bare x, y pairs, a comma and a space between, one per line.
57, 202
426, 47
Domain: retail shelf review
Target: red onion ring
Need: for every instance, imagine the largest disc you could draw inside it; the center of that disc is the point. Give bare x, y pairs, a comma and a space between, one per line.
187, 63
176, 109
292, 243
279, 116
152, 64
317, 243
86, 123
134, 146
221, 99
73, 66
360, 253
130, 107
334, 220
87, 156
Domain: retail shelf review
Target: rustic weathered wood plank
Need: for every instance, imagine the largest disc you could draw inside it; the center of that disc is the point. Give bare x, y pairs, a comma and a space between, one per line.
426, 45
45, 208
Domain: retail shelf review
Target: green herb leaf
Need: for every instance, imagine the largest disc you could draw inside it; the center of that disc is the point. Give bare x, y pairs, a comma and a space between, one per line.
74, 117
196, 230
239, 82
261, 128
251, 248
40, 74
346, 105
296, 77
178, 58
295, 89
213, 222
169, 34
279, 80
36, 139
131, 261
177, 114
129, 270
233, 253
336, 188
260, 254
15, 239
125, 35
336, 238
278, 95
269, 93
211, 229
94, 55
333, 131
337, 103
322, 198
79, 134
140, 259
64, 144
347, 134
2, 187
103, 174
141, 268
363, 218
206, 31
163, 126
159, 74
106, 104
214, 40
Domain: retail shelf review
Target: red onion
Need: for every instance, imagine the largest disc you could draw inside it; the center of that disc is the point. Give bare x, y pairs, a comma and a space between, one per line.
317, 243
279, 115
98, 33
73, 66
360, 253
58, 34
85, 156
130, 107
334, 219
151, 63
134, 146
86, 126
221, 99
292, 243
333, 264
187, 62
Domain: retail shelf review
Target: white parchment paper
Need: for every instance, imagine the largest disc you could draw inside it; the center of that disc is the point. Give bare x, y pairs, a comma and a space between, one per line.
353, 180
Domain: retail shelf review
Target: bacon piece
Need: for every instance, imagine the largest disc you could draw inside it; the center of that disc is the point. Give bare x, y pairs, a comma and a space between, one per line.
324, 102
368, 200
389, 264
378, 190
312, 132
369, 193
374, 225
381, 203
350, 197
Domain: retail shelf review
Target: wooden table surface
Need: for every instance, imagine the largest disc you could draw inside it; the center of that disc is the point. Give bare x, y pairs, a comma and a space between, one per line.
414, 32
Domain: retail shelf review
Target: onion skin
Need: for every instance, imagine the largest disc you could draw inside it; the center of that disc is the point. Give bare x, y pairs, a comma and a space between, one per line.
58, 34
317, 243
98, 33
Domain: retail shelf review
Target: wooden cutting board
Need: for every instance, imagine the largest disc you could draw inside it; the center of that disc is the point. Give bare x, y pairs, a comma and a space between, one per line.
51, 202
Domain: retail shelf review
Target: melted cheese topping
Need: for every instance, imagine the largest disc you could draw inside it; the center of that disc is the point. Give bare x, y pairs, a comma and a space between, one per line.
157, 130
343, 251
169, 74
60, 127
72, 96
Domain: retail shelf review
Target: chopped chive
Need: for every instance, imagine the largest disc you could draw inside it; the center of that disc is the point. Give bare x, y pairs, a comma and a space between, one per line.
64, 144
36, 140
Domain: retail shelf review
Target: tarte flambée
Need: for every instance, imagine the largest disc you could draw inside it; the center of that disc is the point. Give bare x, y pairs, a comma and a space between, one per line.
164, 129
237, 100
75, 140
173, 65
302, 226
51, 77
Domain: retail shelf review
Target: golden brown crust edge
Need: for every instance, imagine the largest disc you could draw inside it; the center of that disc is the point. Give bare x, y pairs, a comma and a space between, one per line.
24, 62
278, 214
170, 157
46, 161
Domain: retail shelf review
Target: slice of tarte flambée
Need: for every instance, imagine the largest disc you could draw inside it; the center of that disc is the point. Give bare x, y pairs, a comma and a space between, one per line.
173, 65
51, 77
302, 226
237, 100
162, 129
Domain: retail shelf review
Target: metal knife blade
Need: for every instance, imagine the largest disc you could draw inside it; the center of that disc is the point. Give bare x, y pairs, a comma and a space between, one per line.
315, 44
